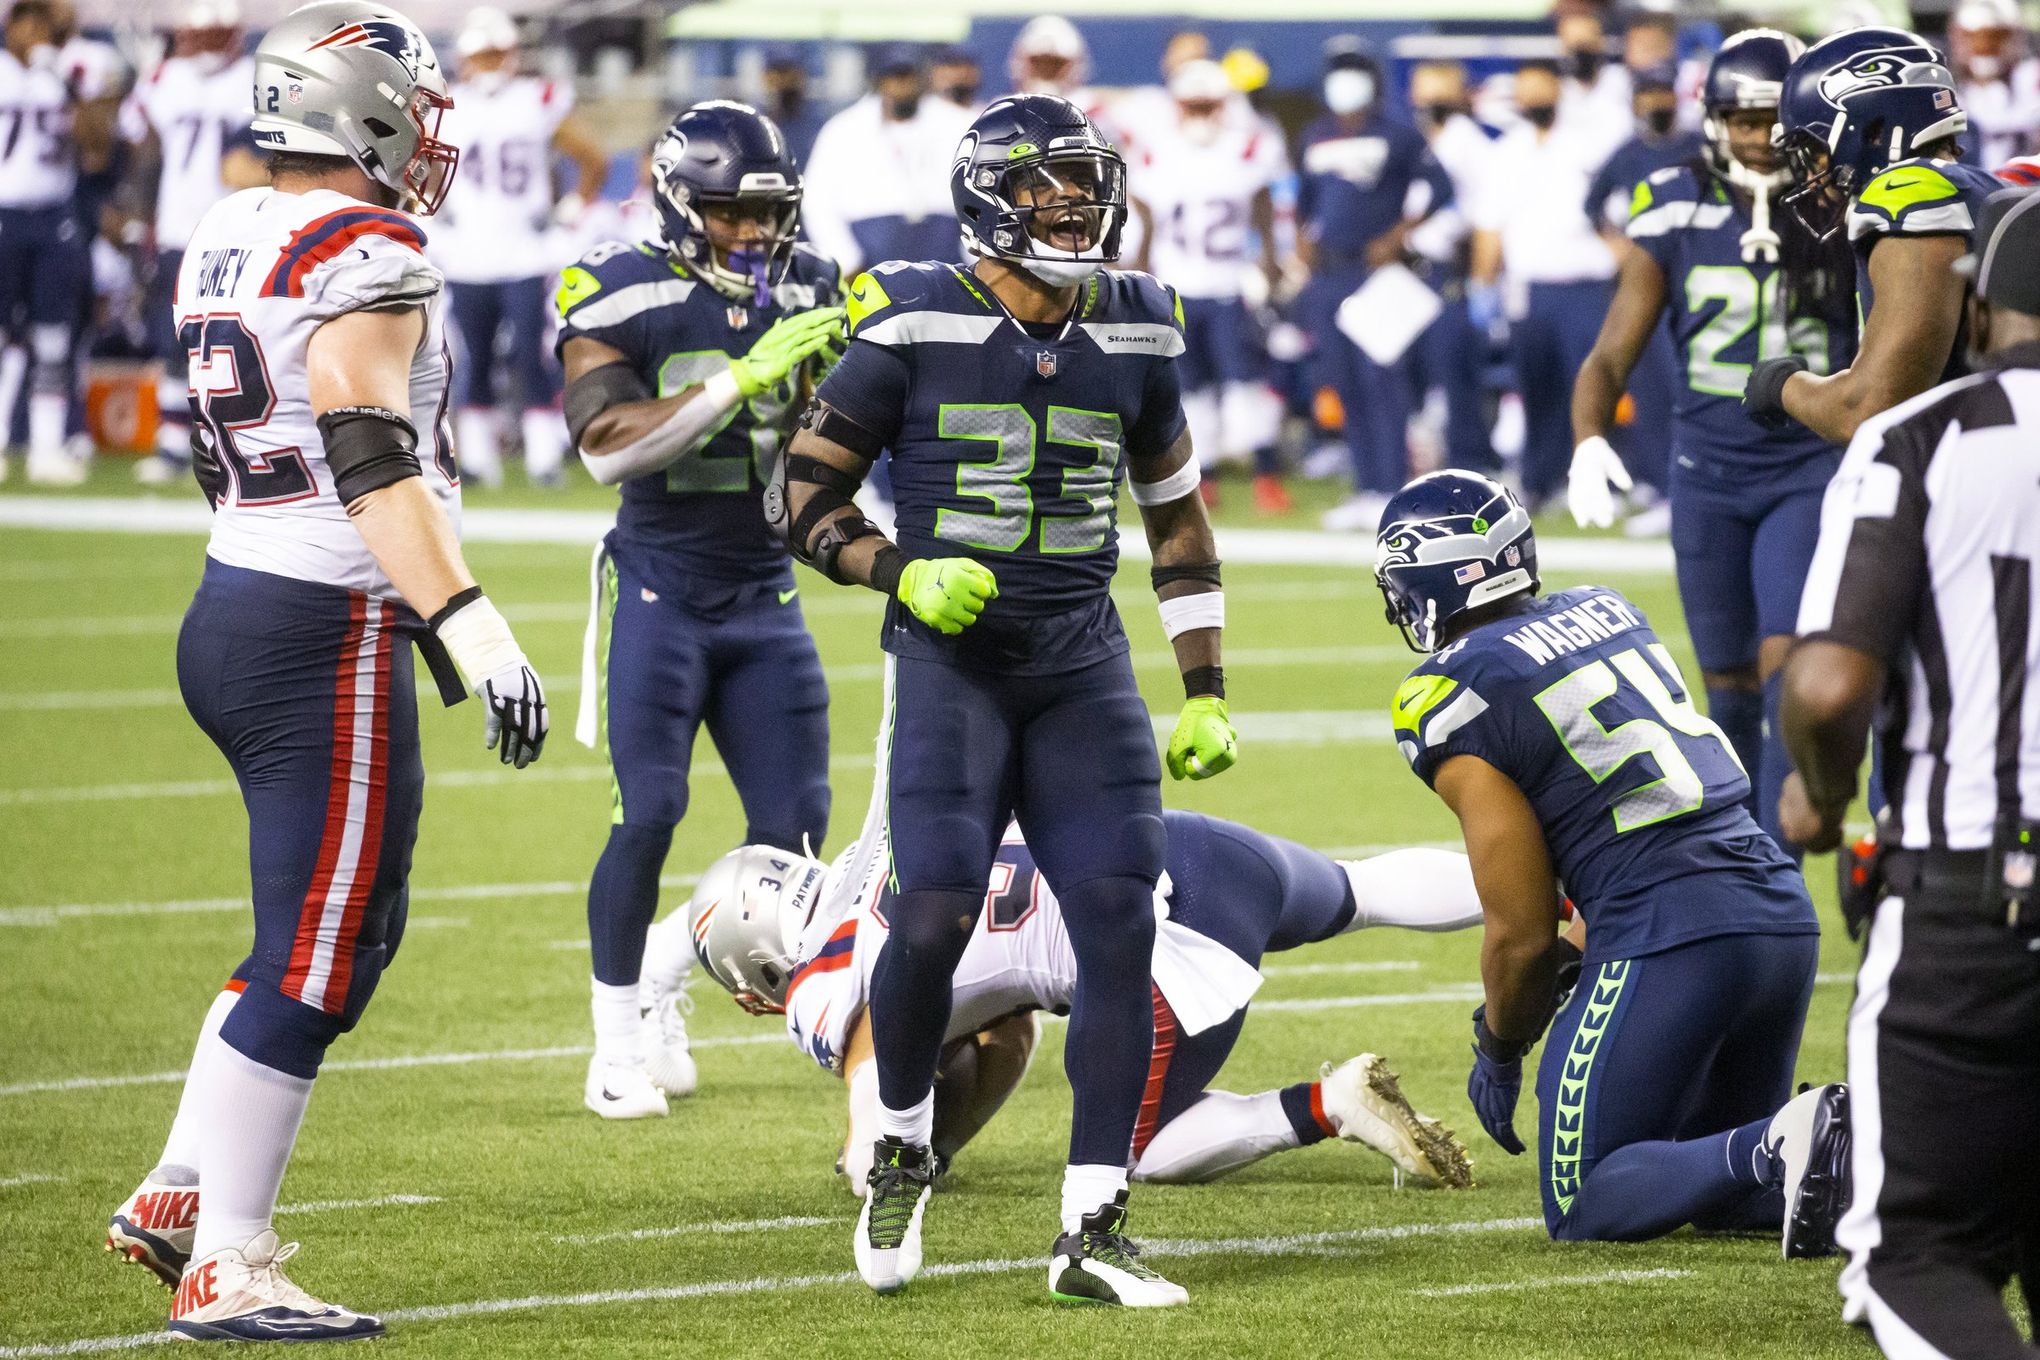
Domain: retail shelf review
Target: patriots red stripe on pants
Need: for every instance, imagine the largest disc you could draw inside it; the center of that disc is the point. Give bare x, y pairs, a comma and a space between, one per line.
1158, 1075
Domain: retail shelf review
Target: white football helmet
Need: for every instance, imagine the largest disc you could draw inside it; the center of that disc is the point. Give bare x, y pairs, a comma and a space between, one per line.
746, 917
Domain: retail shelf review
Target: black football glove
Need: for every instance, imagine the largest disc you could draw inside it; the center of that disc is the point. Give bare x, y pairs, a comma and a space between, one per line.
1763, 399
517, 714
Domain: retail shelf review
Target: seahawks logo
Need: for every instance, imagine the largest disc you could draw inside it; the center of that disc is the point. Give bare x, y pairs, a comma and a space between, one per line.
399, 41
1874, 72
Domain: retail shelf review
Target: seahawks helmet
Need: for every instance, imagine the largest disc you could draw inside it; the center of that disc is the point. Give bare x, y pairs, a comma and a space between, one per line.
746, 918
1747, 73
723, 152
1854, 104
355, 79
1035, 183
1451, 542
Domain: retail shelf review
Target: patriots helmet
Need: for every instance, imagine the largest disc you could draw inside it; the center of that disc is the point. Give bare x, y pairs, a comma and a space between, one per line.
1036, 183
746, 919
1854, 104
1451, 542
725, 154
1747, 73
355, 79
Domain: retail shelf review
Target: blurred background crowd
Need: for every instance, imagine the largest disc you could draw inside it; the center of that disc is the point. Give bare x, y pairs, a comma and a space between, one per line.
1394, 237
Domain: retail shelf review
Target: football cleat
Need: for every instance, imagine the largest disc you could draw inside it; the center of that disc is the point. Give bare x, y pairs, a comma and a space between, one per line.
1365, 1103
153, 1228
667, 1060
622, 1091
888, 1241
1099, 1263
1808, 1141
245, 1296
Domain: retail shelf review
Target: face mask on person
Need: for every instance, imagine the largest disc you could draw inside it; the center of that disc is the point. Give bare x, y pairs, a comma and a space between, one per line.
1584, 64
1347, 91
1440, 114
1539, 115
960, 94
1660, 121
902, 107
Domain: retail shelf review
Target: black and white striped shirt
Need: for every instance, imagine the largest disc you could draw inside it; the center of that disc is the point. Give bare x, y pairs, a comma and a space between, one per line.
1928, 539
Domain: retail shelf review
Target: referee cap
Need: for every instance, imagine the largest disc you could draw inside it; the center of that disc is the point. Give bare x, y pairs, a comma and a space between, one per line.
2005, 262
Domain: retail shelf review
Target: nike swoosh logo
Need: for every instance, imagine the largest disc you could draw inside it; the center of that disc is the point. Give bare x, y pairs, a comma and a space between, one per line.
786, 595
608, 1094
857, 293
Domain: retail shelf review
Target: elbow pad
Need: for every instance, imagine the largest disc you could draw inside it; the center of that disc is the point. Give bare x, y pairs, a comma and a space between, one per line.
367, 448
829, 490
595, 391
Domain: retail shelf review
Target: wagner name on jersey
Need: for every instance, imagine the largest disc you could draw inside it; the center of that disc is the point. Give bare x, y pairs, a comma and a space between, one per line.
1201, 197
496, 223
265, 270
198, 109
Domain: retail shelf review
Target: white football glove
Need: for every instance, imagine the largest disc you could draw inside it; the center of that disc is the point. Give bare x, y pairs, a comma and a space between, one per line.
1591, 482
479, 641
517, 714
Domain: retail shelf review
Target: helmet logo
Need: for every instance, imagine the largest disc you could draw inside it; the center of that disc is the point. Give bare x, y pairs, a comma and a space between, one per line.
1876, 71
1479, 525
395, 40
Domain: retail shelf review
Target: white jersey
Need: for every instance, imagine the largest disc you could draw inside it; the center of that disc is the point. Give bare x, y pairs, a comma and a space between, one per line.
496, 224
196, 107
92, 69
1201, 196
264, 270
38, 162
2004, 115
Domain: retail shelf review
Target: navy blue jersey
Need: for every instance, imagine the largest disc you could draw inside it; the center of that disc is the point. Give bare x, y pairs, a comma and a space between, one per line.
1725, 315
1009, 447
1636, 160
1919, 198
1639, 795
703, 516
1352, 186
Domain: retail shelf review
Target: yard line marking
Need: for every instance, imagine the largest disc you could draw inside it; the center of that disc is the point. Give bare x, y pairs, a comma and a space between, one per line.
30, 1178
326, 1206
690, 1229
1552, 1282
1373, 848
766, 1284
471, 892
1367, 966
1469, 992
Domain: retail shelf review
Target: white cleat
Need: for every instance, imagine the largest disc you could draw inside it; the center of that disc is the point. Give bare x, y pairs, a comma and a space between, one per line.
888, 1240
1366, 1105
1809, 1142
56, 470
245, 1296
663, 1000
1099, 1263
153, 1229
621, 1091
160, 470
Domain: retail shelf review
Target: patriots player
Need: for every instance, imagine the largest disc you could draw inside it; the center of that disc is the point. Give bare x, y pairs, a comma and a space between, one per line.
1741, 282
1560, 733
1872, 124
787, 932
318, 361
685, 357
1015, 395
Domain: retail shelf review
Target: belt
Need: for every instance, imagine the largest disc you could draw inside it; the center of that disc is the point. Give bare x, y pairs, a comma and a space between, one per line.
1936, 871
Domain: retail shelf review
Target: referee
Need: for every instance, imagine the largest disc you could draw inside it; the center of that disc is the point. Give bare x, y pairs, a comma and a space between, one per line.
1920, 606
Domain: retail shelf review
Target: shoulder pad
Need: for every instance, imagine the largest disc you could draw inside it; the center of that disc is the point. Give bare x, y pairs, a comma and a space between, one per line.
1129, 295
809, 265
895, 287
357, 257
1430, 706
1673, 184
1912, 198
606, 271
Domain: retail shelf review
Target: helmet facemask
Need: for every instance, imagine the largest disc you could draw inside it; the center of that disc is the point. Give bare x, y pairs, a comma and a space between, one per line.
1761, 243
745, 270
424, 180
1059, 215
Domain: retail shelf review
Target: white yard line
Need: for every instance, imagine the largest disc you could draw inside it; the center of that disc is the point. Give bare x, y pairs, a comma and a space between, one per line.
690, 1229
327, 1206
1468, 992
1552, 1282
1357, 966
31, 1178
775, 1284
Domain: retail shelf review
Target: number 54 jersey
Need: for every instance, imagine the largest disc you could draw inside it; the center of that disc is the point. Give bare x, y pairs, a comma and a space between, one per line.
1640, 797
263, 272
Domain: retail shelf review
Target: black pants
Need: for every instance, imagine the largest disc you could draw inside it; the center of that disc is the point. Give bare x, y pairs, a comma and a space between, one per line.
1944, 1071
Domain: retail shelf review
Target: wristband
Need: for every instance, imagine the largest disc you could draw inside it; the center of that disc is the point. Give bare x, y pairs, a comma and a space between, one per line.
1206, 609
1173, 487
476, 636
1199, 681
1493, 1045
886, 568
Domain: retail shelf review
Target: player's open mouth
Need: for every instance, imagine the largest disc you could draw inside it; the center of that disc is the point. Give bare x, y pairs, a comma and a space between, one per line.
1070, 229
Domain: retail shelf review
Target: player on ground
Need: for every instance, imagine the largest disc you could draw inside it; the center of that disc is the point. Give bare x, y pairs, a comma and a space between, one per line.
191, 115
789, 932
497, 244
1559, 731
686, 358
1015, 395
1871, 126
1741, 283
318, 352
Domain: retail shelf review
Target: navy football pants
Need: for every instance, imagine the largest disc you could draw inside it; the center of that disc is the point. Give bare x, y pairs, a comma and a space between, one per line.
1376, 400
511, 313
1550, 344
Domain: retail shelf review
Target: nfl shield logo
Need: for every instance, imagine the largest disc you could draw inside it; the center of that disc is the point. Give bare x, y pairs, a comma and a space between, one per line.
295, 92
738, 318
1044, 363
1514, 557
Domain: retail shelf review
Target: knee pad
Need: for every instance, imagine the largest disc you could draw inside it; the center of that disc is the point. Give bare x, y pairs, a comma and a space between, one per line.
278, 1031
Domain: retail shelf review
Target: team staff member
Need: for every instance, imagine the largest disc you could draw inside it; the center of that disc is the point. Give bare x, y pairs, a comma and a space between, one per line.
1924, 600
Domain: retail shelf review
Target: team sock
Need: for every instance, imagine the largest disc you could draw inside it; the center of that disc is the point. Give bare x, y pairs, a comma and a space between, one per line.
623, 897
912, 1124
1416, 889
910, 994
249, 1116
545, 442
619, 1024
1086, 1188
1113, 1052
1739, 713
181, 1148
1223, 1132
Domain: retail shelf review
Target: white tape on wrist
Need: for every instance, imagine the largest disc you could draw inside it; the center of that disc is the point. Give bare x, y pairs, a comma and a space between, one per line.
1173, 487
1187, 612
698, 418
479, 641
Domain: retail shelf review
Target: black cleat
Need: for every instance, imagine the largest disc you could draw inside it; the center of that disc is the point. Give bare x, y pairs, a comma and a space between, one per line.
888, 1241
1099, 1263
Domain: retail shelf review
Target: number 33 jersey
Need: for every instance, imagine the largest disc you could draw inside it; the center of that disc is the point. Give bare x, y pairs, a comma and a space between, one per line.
1640, 797
263, 272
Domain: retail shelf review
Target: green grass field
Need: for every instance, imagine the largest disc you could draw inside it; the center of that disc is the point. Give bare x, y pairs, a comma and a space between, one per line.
502, 1219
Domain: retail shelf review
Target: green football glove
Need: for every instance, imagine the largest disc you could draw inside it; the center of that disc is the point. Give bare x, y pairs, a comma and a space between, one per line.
947, 593
1204, 742
780, 350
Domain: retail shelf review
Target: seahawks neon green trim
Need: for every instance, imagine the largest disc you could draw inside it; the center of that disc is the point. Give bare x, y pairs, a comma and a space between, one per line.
1903, 187
866, 296
1640, 200
1568, 1124
1417, 698
577, 285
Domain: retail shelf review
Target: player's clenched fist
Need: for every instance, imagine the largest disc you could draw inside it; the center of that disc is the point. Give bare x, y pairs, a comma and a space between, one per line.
947, 593
780, 350
1204, 743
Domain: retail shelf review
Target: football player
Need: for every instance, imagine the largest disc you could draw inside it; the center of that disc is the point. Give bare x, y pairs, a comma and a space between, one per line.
1742, 282
787, 932
1015, 396
686, 357
497, 247
1871, 126
318, 378
1560, 733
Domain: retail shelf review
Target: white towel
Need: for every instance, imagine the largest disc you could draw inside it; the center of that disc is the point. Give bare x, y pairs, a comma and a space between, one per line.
586, 722
1204, 983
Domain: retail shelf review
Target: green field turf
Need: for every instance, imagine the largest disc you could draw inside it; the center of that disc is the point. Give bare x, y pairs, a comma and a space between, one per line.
514, 1237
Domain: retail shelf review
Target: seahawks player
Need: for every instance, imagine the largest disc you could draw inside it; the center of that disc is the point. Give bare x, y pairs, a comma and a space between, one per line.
791, 933
1560, 733
1742, 282
1015, 395
1871, 120
684, 358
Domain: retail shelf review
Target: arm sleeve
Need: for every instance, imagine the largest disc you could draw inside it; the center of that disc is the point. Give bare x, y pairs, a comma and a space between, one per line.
1863, 587
869, 385
1437, 717
373, 271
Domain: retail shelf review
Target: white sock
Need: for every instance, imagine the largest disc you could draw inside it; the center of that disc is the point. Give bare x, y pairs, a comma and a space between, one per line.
915, 1125
13, 373
1414, 889
1086, 1188
249, 1115
669, 954
476, 445
1220, 1133
186, 1130
46, 412
619, 1024
545, 441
